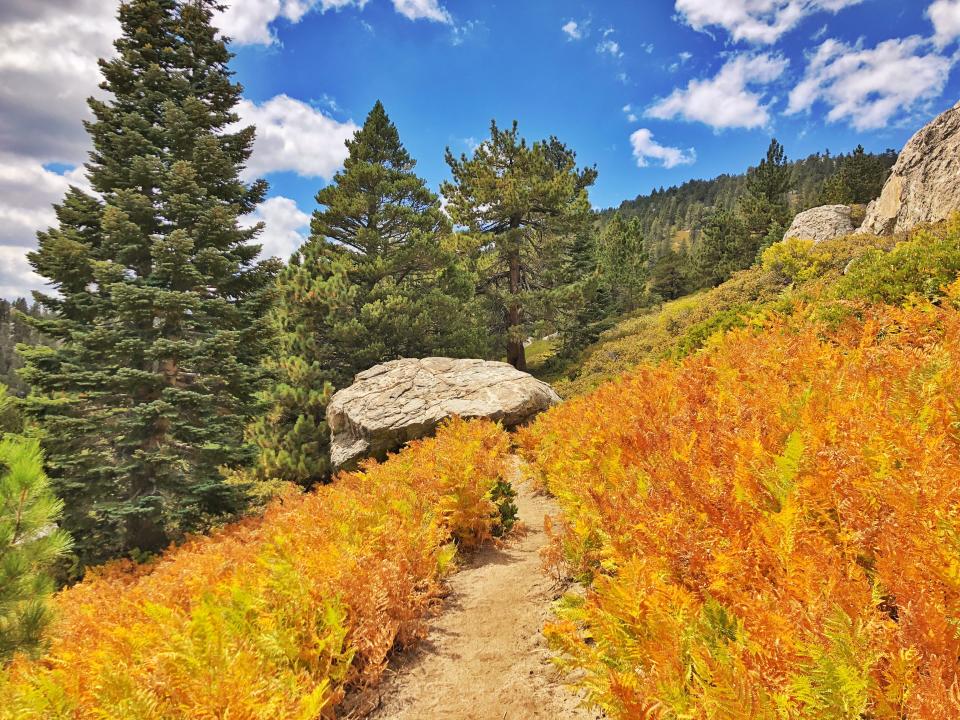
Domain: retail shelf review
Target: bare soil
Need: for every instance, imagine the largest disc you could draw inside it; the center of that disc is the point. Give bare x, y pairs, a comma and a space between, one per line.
484, 657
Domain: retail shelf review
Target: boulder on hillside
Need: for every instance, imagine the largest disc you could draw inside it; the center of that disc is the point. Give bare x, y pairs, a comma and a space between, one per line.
822, 223
403, 400
924, 185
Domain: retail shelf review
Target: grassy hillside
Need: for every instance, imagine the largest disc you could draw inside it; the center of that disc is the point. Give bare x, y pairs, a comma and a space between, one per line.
768, 528
790, 272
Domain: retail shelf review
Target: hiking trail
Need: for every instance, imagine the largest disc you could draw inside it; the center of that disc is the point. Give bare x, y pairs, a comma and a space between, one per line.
484, 657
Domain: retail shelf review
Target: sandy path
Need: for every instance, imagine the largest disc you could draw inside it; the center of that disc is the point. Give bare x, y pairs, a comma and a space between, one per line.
484, 657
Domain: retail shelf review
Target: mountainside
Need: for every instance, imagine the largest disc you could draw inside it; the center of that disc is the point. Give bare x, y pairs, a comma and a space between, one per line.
239, 490
674, 217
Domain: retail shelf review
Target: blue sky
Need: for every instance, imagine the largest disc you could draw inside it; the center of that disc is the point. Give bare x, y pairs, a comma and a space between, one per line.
653, 92
512, 60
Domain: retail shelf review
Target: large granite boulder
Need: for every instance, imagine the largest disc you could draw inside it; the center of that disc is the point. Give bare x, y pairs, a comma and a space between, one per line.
822, 223
924, 186
403, 400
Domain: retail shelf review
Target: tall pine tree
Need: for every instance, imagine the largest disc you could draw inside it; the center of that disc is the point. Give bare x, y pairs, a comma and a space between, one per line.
764, 206
623, 261
157, 316
377, 280
523, 205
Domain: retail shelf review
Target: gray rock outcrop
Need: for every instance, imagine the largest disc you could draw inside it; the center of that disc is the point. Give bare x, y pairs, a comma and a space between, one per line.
822, 223
403, 400
924, 186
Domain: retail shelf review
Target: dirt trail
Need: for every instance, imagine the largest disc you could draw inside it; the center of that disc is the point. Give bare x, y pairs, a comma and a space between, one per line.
484, 657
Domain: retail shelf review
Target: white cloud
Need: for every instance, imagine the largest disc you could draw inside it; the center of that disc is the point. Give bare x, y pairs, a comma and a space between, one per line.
869, 87
27, 194
945, 16
48, 69
294, 136
726, 100
755, 21
252, 22
631, 115
423, 10
285, 226
573, 30
609, 46
645, 149
17, 278
682, 59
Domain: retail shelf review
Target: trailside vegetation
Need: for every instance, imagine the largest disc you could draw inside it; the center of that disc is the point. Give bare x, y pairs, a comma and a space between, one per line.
768, 529
158, 312
273, 617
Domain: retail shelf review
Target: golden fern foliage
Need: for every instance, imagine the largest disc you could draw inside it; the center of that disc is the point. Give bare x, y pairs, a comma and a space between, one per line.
772, 528
275, 617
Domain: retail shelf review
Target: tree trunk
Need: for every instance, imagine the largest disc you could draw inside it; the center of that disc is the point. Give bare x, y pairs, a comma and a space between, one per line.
516, 353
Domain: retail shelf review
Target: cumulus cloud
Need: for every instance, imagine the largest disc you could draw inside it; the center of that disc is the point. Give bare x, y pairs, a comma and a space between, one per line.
868, 87
252, 22
423, 10
573, 30
645, 149
945, 16
293, 136
629, 112
27, 193
48, 65
755, 21
726, 100
48, 69
286, 226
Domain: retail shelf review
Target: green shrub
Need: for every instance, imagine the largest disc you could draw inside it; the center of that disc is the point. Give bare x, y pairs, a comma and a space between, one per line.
698, 335
921, 266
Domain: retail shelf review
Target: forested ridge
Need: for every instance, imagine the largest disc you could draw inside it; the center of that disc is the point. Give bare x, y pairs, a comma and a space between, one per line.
674, 218
755, 466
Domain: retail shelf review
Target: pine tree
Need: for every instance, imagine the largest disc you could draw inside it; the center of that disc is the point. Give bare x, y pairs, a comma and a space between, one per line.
522, 204
30, 544
765, 202
667, 277
623, 261
584, 306
377, 280
859, 178
157, 316
725, 247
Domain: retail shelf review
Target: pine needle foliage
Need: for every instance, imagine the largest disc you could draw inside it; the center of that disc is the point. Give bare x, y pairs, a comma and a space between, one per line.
272, 618
769, 529
523, 206
30, 544
157, 318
